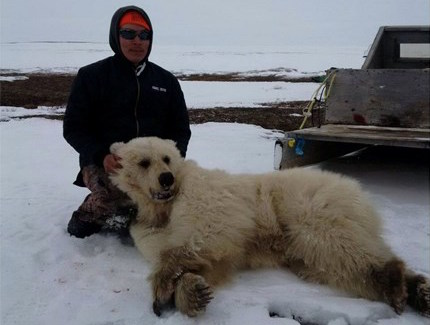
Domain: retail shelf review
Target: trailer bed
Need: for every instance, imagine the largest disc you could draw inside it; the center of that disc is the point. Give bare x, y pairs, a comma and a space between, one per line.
368, 134
385, 103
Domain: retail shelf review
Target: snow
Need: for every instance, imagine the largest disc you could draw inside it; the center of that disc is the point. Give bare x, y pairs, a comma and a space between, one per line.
247, 94
48, 277
12, 78
67, 57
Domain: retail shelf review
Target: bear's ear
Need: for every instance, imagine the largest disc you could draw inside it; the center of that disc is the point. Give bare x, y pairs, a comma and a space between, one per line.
115, 147
171, 142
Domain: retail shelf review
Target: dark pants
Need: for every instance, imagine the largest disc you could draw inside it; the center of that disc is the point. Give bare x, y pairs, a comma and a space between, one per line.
105, 199
105, 207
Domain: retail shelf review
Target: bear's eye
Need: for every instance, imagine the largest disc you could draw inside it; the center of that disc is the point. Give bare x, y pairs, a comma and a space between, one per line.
166, 160
145, 163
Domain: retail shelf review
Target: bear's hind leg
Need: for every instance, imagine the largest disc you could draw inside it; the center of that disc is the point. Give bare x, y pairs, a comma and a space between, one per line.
390, 282
192, 294
418, 293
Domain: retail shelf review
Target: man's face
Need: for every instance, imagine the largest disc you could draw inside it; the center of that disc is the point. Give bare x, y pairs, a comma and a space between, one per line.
134, 50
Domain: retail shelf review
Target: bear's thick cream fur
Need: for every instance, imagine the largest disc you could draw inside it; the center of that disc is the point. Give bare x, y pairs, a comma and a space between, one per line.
197, 226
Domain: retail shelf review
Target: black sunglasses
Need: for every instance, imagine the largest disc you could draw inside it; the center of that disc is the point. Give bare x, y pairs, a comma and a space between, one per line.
130, 34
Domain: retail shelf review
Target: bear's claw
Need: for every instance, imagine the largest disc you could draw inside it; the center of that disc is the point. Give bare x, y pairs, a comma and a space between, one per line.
192, 294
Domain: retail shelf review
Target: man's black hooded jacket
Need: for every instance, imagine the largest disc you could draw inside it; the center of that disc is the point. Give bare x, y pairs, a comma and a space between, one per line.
109, 102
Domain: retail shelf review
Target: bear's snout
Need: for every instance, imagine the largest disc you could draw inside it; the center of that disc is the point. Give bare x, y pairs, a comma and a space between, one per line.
166, 179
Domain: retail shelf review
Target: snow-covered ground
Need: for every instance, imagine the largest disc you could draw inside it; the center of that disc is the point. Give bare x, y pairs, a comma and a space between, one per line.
50, 278
68, 57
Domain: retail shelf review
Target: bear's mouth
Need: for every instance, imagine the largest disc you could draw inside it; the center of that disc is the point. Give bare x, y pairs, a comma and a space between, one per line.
162, 195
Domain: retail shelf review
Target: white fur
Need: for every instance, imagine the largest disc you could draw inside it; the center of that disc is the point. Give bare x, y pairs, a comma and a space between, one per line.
320, 225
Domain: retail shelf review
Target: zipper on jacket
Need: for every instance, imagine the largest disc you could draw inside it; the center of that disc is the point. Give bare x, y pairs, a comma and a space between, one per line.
135, 107
138, 71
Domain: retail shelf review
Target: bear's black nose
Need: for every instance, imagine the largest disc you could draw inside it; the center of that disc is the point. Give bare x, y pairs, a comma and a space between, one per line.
166, 179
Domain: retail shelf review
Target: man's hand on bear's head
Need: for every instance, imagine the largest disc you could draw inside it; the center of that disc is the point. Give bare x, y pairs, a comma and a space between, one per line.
111, 163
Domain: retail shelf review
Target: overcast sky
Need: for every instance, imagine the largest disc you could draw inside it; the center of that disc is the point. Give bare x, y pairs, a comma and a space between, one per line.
224, 22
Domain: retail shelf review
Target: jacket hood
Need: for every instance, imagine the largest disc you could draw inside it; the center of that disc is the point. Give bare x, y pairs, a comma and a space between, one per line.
114, 29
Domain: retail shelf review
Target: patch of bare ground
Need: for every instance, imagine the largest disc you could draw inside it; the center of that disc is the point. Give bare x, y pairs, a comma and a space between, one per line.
237, 76
284, 116
40, 89
37, 90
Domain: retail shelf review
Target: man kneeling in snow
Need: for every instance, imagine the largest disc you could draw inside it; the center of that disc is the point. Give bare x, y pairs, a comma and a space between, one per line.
116, 99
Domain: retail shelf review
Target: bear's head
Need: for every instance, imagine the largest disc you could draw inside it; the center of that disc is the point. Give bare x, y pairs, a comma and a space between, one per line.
149, 168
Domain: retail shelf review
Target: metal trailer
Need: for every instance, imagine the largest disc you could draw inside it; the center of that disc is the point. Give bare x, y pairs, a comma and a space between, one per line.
386, 102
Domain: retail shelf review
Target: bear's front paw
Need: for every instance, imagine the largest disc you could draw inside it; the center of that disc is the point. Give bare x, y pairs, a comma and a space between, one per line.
192, 294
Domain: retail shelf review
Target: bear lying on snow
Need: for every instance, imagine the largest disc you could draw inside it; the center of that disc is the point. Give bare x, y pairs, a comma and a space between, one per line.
198, 226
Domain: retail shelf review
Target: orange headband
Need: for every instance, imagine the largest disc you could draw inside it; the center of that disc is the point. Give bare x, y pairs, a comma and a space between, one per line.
135, 18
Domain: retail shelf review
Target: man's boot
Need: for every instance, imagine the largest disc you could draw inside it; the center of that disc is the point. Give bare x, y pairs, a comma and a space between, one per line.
80, 226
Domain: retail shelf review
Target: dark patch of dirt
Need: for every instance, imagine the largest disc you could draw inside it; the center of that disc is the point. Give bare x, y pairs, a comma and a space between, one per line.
53, 90
285, 116
37, 90
235, 76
